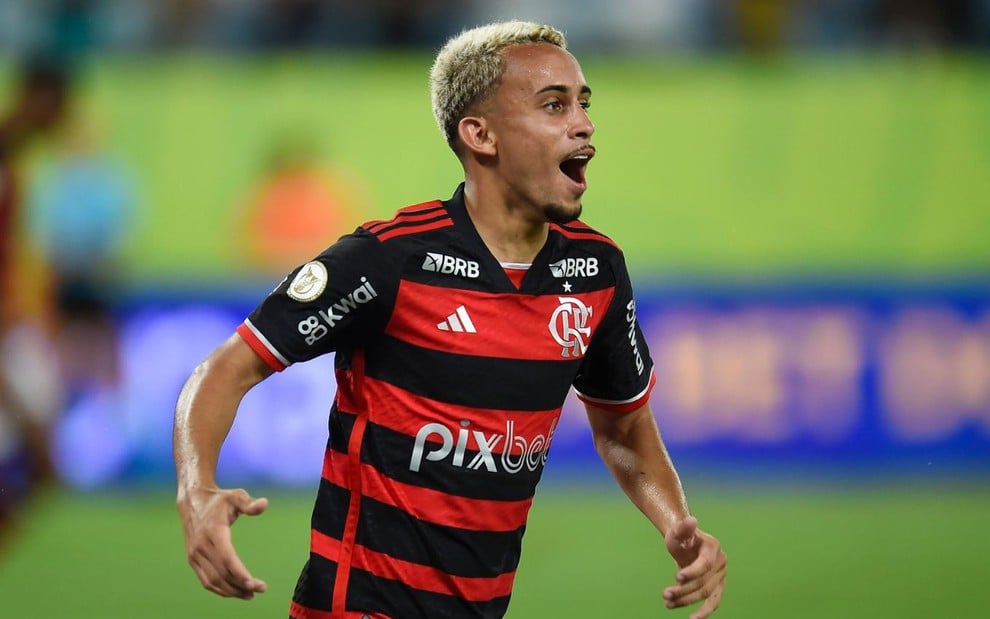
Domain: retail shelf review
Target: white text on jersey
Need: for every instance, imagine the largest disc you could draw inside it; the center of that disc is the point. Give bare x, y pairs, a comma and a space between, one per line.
574, 267
313, 329
518, 452
631, 334
449, 265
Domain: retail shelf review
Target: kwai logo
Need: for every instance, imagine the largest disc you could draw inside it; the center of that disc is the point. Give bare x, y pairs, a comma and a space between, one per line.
313, 327
569, 326
518, 452
449, 265
574, 267
631, 335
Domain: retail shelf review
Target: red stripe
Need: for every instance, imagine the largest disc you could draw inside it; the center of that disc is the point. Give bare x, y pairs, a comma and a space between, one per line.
395, 232
406, 218
417, 576
627, 407
590, 235
529, 337
344, 557
298, 611
403, 214
406, 412
259, 347
435, 506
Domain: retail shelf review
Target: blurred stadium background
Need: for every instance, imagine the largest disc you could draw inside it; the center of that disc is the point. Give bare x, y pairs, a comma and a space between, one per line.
802, 190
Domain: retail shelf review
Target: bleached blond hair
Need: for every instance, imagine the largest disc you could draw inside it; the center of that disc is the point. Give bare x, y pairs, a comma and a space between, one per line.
469, 66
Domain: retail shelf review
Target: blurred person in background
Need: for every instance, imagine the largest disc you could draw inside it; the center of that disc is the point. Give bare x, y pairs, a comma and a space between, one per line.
450, 377
299, 203
29, 387
80, 215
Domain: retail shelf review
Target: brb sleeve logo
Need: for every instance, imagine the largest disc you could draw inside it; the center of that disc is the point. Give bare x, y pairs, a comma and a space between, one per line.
569, 326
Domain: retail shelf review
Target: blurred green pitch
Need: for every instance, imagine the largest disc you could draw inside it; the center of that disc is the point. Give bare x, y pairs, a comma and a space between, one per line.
882, 552
706, 168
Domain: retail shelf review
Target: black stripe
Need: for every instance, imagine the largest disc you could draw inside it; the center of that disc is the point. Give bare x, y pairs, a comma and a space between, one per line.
399, 215
371, 594
330, 512
341, 425
589, 229
314, 589
485, 382
409, 224
391, 453
459, 552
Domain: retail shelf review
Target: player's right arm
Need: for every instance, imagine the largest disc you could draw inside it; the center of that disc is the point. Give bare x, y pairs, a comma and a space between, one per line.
203, 416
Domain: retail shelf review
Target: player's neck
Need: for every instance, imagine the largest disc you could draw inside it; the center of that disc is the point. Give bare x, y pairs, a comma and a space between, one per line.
508, 233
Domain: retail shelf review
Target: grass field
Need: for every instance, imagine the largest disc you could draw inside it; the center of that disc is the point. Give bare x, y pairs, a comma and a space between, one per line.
877, 552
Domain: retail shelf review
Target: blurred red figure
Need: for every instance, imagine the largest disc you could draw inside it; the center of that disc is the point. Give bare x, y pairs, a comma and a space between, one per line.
28, 387
299, 204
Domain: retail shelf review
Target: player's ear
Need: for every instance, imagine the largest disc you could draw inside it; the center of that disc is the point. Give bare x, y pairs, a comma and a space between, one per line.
476, 135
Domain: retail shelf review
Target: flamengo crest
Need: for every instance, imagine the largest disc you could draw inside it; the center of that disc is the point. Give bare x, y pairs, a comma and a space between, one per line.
569, 326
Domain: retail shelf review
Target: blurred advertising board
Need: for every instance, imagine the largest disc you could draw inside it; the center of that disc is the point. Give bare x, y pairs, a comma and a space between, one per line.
776, 378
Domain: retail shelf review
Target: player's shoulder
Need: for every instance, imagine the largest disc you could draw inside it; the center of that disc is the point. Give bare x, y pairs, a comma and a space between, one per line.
579, 233
409, 222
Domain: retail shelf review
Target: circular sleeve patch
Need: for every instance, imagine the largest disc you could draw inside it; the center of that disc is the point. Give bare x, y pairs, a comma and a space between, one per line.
309, 282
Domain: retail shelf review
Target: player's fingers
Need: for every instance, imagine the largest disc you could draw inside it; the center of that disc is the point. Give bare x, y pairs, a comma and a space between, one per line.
236, 573
244, 503
706, 588
230, 567
681, 589
210, 577
710, 556
711, 604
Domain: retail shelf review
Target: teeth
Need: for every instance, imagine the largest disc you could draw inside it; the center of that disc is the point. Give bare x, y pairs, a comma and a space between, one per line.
580, 157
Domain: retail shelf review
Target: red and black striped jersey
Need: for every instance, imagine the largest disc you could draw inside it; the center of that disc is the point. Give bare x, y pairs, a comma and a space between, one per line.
450, 383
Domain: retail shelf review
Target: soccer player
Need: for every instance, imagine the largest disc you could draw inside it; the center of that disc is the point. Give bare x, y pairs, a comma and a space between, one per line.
458, 326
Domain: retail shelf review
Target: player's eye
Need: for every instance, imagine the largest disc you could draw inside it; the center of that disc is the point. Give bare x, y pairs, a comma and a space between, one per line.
553, 106
586, 104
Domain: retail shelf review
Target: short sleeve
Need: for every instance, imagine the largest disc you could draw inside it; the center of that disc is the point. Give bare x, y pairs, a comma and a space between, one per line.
617, 371
341, 297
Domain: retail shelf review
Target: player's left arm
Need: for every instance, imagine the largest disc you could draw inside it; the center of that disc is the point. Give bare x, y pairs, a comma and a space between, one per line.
631, 447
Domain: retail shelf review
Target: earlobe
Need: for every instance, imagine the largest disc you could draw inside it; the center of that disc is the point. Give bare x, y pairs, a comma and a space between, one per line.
476, 136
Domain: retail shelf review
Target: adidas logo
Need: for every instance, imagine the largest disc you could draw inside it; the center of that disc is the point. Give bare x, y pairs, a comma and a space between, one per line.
458, 322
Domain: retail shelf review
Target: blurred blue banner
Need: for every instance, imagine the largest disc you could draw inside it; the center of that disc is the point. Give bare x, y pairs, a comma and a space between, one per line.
868, 377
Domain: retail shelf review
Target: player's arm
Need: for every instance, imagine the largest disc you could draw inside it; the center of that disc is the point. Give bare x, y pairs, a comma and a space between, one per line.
631, 447
204, 414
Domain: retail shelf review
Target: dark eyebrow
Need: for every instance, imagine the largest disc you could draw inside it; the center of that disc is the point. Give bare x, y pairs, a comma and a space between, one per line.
585, 90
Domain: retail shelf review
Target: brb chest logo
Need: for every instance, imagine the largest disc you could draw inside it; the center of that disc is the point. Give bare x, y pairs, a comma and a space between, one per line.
574, 267
450, 265
518, 452
569, 326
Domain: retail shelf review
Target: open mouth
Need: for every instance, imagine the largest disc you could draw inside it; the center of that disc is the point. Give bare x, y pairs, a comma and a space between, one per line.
575, 165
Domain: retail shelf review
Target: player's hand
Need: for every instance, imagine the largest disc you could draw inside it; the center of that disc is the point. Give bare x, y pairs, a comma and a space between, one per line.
207, 515
702, 568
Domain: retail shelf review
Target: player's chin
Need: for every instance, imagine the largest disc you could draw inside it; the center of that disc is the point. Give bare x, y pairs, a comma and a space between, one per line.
562, 213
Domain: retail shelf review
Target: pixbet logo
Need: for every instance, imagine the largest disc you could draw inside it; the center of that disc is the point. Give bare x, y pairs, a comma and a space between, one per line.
449, 265
518, 452
574, 267
569, 326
